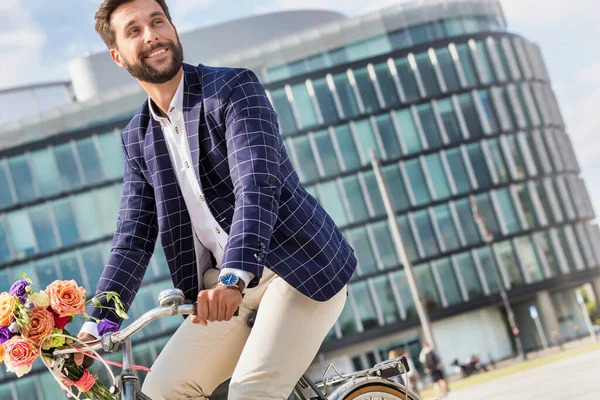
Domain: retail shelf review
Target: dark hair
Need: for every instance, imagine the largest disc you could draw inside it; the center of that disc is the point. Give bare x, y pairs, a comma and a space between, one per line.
105, 12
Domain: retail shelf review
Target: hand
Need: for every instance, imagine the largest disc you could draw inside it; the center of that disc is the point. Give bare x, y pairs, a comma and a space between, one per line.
217, 304
78, 357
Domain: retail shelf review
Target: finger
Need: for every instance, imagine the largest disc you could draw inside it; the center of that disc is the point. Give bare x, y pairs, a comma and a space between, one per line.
213, 306
202, 308
78, 359
230, 311
221, 311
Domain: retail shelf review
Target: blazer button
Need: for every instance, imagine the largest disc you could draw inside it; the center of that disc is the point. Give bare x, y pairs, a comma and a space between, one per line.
201, 198
218, 230
176, 130
187, 164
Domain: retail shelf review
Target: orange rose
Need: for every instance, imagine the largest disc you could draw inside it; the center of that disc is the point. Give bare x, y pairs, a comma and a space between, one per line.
41, 324
19, 355
66, 298
1, 353
7, 304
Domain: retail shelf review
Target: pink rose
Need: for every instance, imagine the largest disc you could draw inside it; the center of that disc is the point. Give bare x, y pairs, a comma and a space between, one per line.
19, 355
41, 324
66, 298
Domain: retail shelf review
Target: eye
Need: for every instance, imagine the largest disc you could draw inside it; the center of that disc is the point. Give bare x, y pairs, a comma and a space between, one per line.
158, 21
132, 31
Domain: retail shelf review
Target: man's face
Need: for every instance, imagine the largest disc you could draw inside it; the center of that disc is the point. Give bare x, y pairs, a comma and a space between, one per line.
146, 43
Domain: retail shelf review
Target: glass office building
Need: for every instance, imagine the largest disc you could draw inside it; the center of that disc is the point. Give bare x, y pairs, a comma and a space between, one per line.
456, 108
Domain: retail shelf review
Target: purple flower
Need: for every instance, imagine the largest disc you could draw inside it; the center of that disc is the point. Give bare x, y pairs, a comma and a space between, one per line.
19, 290
106, 325
5, 334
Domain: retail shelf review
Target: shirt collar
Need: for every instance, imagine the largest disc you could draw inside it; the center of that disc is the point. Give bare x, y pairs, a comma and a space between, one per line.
176, 102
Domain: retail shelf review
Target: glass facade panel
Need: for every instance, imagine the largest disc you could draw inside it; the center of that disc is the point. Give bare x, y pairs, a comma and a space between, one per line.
467, 64
407, 80
346, 95
428, 76
458, 170
26, 388
480, 168
366, 140
527, 204
6, 198
108, 200
490, 269
90, 161
65, 221
112, 155
430, 126
70, 269
396, 186
446, 225
307, 165
21, 177
41, 221
427, 288
93, 259
355, 198
287, 120
373, 193
346, 321
348, 150
44, 169
385, 246
448, 69
325, 100
304, 106
327, 153
508, 211
471, 116
488, 109
450, 121
386, 299
387, 85
487, 213
545, 244
4, 249
21, 233
470, 278
47, 272
467, 223
449, 282
510, 263
408, 131
67, 166
426, 234
417, 182
364, 304
498, 160
331, 200
88, 220
407, 238
366, 90
399, 278
485, 63
517, 156
438, 176
529, 258
389, 137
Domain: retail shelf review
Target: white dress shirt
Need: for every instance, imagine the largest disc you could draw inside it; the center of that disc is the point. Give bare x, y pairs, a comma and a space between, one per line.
208, 234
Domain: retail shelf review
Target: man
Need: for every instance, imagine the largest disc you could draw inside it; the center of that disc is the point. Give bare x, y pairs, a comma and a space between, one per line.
206, 167
430, 359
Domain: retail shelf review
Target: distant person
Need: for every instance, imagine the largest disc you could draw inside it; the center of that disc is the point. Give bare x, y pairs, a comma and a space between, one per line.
432, 363
413, 374
393, 354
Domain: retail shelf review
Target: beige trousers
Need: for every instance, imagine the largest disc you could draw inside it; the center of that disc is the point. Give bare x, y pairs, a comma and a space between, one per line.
263, 363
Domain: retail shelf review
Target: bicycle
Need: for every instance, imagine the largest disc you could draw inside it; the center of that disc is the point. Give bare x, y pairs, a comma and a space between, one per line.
372, 383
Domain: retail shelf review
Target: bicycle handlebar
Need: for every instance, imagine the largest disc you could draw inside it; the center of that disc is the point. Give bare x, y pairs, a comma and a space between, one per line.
135, 327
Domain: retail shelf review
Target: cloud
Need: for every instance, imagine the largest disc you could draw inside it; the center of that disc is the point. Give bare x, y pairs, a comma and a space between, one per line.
544, 12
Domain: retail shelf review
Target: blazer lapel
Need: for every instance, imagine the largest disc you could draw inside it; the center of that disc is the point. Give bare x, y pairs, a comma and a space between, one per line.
192, 108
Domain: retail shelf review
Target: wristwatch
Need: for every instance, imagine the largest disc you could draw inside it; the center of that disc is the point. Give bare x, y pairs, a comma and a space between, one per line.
231, 280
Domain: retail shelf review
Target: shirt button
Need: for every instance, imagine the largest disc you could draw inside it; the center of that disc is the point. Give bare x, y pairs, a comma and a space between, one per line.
217, 230
176, 130
201, 198
187, 164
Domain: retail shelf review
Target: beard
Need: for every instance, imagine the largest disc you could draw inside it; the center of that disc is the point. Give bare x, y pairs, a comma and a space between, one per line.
144, 72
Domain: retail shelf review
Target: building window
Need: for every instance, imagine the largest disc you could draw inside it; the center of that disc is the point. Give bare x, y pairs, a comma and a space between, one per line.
470, 278
331, 199
306, 161
417, 182
498, 160
65, 221
467, 64
458, 170
304, 106
517, 156
346, 321
479, 164
396, 187
446, 225
385, 246
529, 258
387, 84
327, 153
427, 287
450, 121
432, 87
362, 245
488, 110
448, 69
510, 263
366, 90
347, 146
527, 203
486, 211
471, 115
485, 63
364, 304
407, 80
408, 131
287, 121
386, 299
22, 178
93, 259
356, 201
430, 126
374, 193
408, 302
426, 234
545, 244
43, 228
508, 211
5, 194
90, 162
366, 140
346, 95
90, 223
419, 34
467, 223
325, 100
490, 269
112, 155
389, 137
21, 234
449, 283
47, 272
438, 176
4, 249
407, 238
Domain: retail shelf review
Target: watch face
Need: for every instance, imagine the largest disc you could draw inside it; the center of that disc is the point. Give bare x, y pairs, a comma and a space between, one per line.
229, 279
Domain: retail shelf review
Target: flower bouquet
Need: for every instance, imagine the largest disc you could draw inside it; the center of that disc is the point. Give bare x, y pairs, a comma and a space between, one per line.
34, 323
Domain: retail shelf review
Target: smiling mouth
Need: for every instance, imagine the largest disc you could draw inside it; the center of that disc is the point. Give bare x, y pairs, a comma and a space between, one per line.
157, 53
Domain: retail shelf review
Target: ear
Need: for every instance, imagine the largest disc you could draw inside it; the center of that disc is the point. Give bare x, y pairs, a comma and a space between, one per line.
116, 56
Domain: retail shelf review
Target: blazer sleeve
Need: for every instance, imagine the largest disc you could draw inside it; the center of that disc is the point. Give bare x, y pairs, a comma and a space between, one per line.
133, 242
254, 155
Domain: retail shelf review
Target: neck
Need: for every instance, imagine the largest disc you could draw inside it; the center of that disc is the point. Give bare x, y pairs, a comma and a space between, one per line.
162, 94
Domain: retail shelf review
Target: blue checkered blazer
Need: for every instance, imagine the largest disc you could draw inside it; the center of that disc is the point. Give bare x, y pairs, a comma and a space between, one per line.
250, 187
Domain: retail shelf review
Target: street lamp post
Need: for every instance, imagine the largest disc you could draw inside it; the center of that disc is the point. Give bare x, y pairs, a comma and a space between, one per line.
488, 237
401, 249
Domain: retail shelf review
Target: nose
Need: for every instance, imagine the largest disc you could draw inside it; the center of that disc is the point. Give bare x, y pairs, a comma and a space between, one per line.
150, 36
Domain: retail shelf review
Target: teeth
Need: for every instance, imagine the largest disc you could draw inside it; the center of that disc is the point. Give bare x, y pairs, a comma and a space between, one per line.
156, 53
